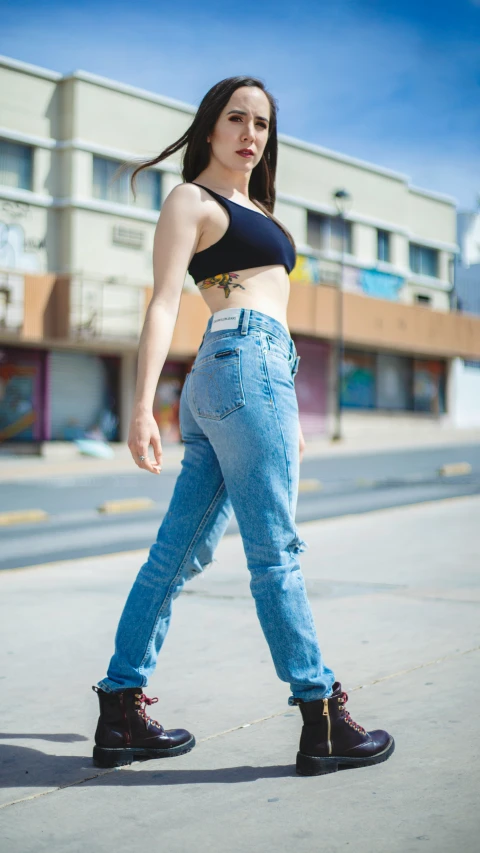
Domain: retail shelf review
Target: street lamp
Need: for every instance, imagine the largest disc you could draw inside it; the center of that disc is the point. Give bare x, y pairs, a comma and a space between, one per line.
342, 200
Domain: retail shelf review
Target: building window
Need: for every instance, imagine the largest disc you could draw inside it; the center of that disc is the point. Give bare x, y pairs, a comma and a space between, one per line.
451, 269
421, 299
15, 165
383, 245
119, 190
325, 232
423, 261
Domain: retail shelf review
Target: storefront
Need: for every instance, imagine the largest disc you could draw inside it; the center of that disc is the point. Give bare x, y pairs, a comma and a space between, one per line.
391, 382
22, 395
429, 384
83, 396
311, 384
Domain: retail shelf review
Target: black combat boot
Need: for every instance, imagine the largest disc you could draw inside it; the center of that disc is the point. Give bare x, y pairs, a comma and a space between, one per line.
331, 739
125, 733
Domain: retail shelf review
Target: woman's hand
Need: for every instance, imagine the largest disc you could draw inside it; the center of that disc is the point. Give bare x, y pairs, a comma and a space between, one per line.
143, 433
302, 441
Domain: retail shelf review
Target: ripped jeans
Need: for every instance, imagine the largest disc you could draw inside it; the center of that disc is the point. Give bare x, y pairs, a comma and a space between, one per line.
240, 427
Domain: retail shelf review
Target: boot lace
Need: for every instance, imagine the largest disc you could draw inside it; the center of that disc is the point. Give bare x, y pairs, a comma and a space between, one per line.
141, 700
344, 698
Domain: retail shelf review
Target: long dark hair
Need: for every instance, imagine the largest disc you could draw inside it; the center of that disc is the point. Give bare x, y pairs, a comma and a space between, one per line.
196, 156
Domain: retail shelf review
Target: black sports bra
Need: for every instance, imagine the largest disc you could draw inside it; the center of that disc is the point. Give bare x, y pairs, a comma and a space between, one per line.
251, 240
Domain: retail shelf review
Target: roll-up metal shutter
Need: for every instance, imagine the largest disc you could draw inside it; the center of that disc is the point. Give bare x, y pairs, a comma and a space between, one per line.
78, 384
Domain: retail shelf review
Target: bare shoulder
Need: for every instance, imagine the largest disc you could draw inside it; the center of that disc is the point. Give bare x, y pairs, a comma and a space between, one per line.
184, 200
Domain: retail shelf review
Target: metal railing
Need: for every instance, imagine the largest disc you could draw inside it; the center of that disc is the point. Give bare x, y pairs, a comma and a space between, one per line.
107, 310
12, 300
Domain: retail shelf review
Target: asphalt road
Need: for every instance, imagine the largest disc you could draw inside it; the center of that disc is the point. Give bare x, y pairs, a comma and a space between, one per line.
347, 485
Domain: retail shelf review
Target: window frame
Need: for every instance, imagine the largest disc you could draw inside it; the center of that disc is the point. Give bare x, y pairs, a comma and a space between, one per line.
30, 166
324, 223
122, 184
418, 252
384, 235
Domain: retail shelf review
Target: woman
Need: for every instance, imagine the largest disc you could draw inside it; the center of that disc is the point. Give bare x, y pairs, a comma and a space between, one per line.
239, 423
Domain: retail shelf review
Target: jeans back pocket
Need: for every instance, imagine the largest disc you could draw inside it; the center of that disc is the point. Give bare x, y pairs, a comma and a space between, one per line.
217, 387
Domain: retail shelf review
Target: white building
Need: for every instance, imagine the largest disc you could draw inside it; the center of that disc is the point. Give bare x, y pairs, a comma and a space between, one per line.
62, 138
465, 373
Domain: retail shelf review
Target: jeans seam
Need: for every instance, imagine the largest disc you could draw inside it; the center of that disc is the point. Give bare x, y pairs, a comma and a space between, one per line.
189, 550
282, 344
265, 366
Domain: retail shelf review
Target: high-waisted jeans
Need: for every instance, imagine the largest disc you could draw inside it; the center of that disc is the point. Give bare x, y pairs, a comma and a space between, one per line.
239, 424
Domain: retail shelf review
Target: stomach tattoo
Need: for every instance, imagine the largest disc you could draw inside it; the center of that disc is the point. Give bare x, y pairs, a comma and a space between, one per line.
225, 281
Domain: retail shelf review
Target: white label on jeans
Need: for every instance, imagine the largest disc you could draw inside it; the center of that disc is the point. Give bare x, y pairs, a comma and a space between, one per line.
227, 318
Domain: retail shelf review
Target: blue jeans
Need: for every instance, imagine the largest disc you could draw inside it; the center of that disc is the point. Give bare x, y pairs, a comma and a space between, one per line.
239, 423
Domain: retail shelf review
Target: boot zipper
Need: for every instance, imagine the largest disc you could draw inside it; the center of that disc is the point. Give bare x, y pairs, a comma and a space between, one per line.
329, 725
126, 731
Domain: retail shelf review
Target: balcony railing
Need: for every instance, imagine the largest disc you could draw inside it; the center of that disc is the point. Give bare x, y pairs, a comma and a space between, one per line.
12, 301
39, 307
107, 310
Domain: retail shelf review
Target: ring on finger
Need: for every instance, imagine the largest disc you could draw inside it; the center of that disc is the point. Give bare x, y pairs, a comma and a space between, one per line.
142, 458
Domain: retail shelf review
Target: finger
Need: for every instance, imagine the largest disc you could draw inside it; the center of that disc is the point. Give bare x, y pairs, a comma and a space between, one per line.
148, 464
140, 456
157, 449
151, 466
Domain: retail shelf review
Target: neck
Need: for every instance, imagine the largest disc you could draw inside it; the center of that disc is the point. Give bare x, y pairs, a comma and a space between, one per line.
225, 180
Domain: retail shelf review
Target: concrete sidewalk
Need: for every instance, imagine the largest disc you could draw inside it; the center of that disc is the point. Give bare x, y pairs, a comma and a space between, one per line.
396, 599
64, 459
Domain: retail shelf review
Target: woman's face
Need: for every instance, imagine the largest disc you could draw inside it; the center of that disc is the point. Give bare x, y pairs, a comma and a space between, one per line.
242, 126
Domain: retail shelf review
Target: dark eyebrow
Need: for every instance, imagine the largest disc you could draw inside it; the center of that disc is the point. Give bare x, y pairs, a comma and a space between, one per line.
243, 113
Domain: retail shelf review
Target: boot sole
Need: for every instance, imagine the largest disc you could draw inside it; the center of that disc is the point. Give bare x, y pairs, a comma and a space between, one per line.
312, 765
105, 757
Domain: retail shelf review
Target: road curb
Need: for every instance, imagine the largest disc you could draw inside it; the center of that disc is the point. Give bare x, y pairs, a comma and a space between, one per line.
310, 486
22, 516
454, 469
125, 505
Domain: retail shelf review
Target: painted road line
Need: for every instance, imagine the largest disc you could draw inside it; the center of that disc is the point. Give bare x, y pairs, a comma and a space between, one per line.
22, 516
454, 469
310, 486
126, 505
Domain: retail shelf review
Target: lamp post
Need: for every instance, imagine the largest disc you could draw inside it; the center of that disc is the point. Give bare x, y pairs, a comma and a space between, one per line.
342, 202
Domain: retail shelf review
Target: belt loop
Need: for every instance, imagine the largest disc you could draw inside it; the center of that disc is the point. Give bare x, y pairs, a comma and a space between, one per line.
246, 318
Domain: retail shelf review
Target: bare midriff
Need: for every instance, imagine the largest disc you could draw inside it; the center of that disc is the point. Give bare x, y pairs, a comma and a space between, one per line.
264, 289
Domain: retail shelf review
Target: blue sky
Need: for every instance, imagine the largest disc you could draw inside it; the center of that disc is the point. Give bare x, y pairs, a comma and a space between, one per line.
394, 83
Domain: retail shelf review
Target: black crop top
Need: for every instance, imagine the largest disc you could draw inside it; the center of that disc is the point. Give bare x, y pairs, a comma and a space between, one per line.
251, 240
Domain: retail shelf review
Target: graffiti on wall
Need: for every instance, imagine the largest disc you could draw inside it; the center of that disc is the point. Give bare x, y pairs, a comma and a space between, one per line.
312, 270
383, 285
18, 380
306, 270
17, 251
12, 288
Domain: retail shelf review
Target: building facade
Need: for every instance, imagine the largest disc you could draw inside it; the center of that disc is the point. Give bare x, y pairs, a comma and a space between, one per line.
76, 268
465, 373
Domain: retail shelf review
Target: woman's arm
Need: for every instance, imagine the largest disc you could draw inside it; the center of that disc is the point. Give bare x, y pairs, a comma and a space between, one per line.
176, 238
